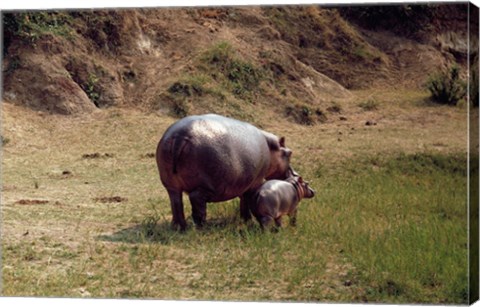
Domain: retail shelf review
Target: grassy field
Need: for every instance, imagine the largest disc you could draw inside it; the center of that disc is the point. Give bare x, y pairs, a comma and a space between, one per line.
84, 213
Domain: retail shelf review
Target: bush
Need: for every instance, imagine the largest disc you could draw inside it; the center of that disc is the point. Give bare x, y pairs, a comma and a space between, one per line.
369, 105
91, 89
446, 87
178, 94
242, 78
4, 140
304, 115
181, 108
33, 25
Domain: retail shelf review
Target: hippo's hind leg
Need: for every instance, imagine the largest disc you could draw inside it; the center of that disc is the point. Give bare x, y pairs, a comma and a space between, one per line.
198, 199
178, 217
278, 222
245, 202
293, 218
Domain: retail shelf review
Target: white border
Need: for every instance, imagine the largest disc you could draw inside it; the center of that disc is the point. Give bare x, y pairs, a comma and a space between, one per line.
70, 4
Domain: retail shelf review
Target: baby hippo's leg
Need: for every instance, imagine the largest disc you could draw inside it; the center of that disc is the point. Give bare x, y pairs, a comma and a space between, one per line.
278, 222
293, 218
265, 221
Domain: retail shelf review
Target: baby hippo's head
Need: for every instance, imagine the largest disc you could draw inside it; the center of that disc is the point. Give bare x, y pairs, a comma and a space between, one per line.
308, 192
302, 187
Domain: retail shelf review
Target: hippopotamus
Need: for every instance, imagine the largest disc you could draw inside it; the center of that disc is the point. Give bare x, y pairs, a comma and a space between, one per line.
215, 158
276, 198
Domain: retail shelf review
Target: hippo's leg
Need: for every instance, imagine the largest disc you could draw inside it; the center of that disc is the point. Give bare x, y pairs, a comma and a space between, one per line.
293, 218
176, 203
265, 221
199, 207
245, 201
278, 222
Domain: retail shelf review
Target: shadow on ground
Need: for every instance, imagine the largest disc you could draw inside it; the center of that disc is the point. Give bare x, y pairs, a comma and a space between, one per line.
160, 233
163, 233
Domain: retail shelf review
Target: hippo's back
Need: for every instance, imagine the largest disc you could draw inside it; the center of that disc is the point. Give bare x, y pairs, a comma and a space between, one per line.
215, 153
274, 191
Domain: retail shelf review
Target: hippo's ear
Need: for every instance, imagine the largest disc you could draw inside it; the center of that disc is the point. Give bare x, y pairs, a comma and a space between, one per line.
300, 179
282, 141
272, 141
288, 153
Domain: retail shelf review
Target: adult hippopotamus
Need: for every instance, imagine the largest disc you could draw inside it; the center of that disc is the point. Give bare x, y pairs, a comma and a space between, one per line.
214, 158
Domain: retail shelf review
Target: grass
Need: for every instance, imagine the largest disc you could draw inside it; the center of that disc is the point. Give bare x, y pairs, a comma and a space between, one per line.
388, 224
369, 105
403, 226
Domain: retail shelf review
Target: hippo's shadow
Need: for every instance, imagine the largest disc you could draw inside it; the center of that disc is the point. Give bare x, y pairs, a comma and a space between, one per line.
163, 233
141, 233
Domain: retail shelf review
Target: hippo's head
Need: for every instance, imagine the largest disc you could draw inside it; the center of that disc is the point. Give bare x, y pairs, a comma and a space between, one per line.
302, 187
279, 160
308, 192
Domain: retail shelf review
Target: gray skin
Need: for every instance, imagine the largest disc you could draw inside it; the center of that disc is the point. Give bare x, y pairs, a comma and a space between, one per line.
214, 158
276, 198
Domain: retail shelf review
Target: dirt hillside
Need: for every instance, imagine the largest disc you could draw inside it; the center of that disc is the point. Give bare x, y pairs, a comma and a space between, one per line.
295, 59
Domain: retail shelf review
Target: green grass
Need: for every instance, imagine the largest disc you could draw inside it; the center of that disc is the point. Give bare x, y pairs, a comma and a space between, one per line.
397, 234
403, 226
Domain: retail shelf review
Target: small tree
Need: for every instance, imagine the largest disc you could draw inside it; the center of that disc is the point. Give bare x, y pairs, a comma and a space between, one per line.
446, 87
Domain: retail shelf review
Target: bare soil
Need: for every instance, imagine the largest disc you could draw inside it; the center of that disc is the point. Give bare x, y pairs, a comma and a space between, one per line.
131, 57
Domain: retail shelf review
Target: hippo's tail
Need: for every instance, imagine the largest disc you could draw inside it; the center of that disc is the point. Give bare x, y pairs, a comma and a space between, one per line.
177, 147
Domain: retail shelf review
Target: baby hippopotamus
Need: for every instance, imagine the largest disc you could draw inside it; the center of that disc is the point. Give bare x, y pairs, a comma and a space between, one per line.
276, 198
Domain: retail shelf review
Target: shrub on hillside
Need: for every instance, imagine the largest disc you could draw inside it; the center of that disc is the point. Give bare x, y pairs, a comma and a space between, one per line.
446, 87
304, 115
369, 105
241, 77
30, 26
